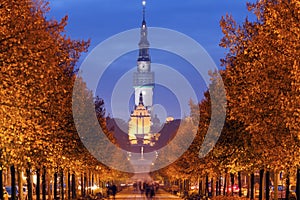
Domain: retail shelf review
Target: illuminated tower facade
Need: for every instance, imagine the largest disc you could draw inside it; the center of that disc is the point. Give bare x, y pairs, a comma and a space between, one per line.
140, 124
143, 78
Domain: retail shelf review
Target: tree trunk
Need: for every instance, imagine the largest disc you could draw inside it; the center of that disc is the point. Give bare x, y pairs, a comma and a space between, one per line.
199, 186
248, 186
48, 181
217, 187
275, 185
220, 186
298, 184
92, 183
82, 186
73, 186
62, 194
267, 185
212, 187
184, 188
206, 186
261, 178
69, 186
38, 184
232, 182
85, 184
225, 185
44, 184
20, 185
49, 187
203, 185
240, 184
29, 184
180, 186
252, 186
1, 183
287, 192
55, 186
228, 184
13, 183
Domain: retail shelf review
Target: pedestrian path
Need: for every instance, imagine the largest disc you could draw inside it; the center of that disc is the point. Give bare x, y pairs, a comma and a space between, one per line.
134, 195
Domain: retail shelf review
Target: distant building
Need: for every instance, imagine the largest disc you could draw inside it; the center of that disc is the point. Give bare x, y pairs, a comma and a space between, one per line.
169, 119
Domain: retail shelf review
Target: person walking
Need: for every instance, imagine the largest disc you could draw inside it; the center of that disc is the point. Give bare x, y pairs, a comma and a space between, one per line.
152, 191
114, 191
107, 191
142, 189
147, 187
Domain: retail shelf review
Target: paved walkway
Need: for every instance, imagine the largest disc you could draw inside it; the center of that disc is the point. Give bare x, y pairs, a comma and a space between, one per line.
129, 194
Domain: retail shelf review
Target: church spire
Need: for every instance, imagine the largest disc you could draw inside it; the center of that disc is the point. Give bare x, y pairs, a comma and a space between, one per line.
144, 44
143, 78
144, 9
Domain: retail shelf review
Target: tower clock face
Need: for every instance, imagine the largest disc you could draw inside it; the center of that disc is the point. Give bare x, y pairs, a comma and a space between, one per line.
143, 66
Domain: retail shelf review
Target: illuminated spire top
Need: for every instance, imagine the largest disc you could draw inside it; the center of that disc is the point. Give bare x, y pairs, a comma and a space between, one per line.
144, 9
144, 44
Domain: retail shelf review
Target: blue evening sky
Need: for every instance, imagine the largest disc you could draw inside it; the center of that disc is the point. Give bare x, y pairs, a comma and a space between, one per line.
100, 19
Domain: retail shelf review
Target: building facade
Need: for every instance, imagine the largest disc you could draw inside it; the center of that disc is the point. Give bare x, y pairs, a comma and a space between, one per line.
140, 125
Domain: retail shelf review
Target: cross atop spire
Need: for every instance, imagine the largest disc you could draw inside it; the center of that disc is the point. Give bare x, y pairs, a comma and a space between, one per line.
144, 9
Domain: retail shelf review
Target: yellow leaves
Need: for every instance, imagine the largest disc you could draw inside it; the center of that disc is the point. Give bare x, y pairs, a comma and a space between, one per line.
263, 79
35, 105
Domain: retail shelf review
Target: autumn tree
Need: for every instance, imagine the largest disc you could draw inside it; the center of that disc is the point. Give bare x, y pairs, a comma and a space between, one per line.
262, 80
37, 62
197, 162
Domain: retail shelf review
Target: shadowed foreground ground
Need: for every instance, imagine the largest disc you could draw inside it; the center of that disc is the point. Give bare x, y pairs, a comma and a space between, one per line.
134, 195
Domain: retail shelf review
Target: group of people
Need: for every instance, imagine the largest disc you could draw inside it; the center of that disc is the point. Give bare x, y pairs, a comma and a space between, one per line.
148, 188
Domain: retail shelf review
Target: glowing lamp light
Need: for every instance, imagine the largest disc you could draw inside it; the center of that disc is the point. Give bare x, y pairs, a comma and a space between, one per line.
94, 187
34, 178
144, 3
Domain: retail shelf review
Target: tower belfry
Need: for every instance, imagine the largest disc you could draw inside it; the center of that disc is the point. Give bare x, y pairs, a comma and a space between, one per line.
143, 78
